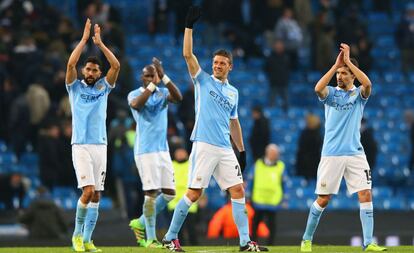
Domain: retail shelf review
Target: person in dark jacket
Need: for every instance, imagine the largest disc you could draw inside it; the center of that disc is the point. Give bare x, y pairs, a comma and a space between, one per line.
260, 135
44, 218
277, 68
309, 148
369, 143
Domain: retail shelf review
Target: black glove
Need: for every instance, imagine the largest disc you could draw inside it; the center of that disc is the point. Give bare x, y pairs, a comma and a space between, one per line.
193, 14
242, 160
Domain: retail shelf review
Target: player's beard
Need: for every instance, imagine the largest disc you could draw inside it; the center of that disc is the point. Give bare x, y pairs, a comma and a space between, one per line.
90, 81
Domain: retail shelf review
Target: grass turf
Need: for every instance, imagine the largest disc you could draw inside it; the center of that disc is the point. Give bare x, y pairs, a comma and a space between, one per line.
200, 249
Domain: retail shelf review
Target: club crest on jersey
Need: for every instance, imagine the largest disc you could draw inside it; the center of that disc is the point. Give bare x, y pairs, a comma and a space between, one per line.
100, 86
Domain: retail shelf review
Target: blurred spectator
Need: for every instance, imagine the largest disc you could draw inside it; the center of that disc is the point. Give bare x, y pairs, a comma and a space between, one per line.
158, 16
187, 115
369, 143
309, 148
260, 135
8, 92
277, 68
188, 234
222, 223
12, 188
288, 31
321, 30
25, 56
50, 160
409, 119
66, 175
303, 13
325, 48
382, 6
27, 111
179, 8
43, 218
405, 37
267, 192
362, 52
350, 25
266, 13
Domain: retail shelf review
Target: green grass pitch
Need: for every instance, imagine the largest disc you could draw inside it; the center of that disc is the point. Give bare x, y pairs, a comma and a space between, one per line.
200, 249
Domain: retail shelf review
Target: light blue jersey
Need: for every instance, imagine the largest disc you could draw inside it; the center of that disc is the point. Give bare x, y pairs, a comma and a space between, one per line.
215, 104
152, 121
88, 105
343, 115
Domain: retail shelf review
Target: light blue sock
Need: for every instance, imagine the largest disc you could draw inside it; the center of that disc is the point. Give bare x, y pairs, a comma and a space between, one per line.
90, 221
240, 218
315, 213
180, 213
366, 214
81, 211
160, 203
148, 211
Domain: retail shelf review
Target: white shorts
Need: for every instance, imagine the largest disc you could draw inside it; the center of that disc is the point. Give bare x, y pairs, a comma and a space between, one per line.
156, 170
89, 161
354, 169
207, 160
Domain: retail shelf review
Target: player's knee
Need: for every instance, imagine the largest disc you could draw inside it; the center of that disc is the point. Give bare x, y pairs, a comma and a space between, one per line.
193, 194
323, 200
151, 193
365, 196
88, 193
170, 192
96, 196
237, 191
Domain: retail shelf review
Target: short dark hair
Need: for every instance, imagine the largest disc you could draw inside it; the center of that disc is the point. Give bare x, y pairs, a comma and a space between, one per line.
354, 61
225, 53
94, 60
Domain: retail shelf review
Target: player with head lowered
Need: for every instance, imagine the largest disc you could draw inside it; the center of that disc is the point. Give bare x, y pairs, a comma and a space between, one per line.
342, 153
149, 107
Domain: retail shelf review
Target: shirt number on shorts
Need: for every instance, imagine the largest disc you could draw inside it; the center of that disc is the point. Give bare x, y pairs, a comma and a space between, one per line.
237, 167
368, 175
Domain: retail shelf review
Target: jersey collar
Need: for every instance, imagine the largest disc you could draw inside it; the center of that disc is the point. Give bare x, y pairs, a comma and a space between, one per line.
142, 89
218, 80
353, 88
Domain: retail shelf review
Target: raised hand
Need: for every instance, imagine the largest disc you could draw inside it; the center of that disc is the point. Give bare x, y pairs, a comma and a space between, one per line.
345, 50
158, 67
193, 14
87, 30
340, 60
156, 79
97, 36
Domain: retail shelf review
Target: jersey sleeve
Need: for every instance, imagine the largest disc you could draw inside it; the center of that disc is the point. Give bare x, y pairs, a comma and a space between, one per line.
234, 114
132, 95
165, 93
361, 98
329, 98
200, 76
71, 86
108, 86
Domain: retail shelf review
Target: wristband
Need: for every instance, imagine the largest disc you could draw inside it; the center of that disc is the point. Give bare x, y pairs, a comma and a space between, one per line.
151, 87
165, 79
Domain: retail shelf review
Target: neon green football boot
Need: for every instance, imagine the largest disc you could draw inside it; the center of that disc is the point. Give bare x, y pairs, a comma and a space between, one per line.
154, 244
77, 243
374, 247
90, 247
306, 246
139, 231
